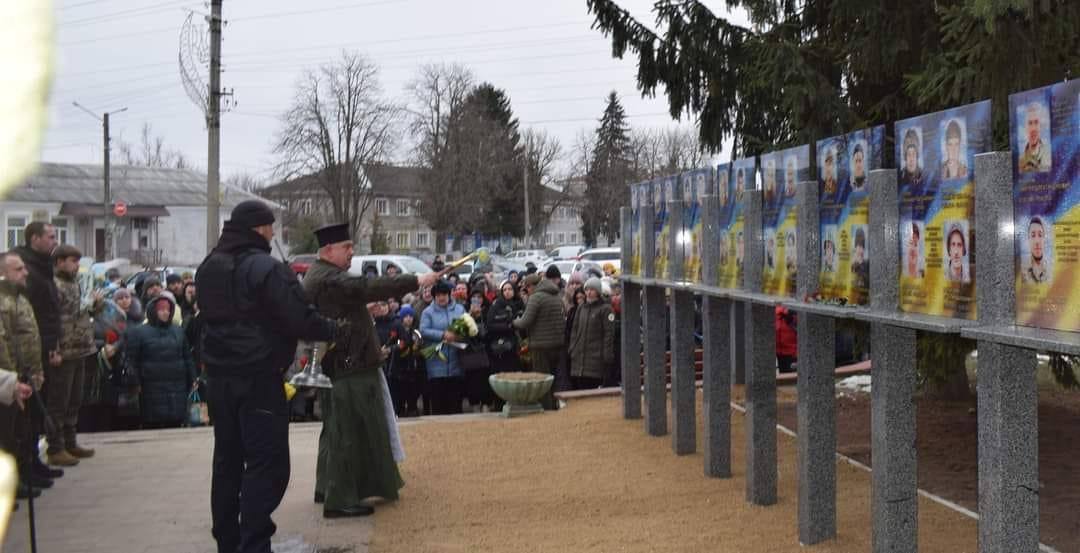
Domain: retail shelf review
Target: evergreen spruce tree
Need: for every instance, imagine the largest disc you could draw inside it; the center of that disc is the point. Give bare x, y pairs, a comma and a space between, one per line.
608, 174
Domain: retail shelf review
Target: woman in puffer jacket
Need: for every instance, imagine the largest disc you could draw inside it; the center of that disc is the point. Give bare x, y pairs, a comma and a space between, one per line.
592, 339
162, 366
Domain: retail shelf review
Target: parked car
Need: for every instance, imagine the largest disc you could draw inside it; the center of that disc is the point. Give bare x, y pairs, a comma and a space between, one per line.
566, 252
604, 255
569, 266
300, 263
134, 282
500, 268
404, 263
537, 257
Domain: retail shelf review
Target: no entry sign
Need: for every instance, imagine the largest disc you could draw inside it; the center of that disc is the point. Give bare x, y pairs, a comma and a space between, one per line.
120, 208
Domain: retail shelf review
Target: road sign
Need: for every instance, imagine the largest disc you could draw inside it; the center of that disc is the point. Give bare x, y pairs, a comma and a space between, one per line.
120, 208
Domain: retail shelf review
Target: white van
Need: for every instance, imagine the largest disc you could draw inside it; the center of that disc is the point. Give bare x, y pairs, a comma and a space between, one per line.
566, 252
406, 264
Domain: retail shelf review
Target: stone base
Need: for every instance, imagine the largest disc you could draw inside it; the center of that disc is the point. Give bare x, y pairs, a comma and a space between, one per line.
510, 410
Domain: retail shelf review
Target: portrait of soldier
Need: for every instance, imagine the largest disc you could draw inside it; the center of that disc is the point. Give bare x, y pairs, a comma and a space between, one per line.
789, 177
1036, 153
957, 268
953, 167
829, 172
858, 168
1036, 268
911, 173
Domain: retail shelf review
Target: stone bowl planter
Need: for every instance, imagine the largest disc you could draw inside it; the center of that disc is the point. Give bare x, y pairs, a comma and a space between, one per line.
521, 391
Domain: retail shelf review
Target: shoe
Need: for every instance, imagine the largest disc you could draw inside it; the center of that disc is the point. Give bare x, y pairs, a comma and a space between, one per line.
80, 452
23, 492
39, 482
41, 469
61, 458
320, 497
357, 511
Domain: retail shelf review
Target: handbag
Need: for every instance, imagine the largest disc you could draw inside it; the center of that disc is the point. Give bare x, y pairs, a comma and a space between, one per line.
473, 358
502, 346
198, 415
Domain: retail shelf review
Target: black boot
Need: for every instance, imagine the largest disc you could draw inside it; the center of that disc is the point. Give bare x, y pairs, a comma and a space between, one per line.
39, 482
345, 512
23, 492
41, 469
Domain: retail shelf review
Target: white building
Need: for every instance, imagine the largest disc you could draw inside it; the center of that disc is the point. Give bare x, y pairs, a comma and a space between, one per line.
165, 221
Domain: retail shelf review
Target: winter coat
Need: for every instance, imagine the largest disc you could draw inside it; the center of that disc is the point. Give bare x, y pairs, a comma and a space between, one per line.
21, 338
592, 340
76, 325
500, 321
253, 308
787, 341
160, 362
433, 323
406, 363
41, 290
543, 318
339, 295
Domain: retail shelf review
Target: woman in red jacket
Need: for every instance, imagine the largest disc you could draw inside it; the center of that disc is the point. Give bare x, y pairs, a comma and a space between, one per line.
787, 341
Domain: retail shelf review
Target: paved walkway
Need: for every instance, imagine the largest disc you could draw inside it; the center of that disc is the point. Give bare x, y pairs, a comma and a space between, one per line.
149, 491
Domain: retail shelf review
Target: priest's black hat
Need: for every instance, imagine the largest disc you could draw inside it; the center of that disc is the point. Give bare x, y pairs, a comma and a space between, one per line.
332, 234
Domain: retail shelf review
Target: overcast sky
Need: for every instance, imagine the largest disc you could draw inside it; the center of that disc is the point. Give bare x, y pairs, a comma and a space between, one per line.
123, 53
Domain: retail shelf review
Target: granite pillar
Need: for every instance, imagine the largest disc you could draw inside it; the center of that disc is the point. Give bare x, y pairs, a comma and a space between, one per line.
816, 403
631, 350
683, 400
894, 497
655, 356
760, 335
1007, 391
716, 354
737, 356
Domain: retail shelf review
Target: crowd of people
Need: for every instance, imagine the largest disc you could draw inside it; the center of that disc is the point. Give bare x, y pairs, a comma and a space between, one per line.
535, 321
86, 356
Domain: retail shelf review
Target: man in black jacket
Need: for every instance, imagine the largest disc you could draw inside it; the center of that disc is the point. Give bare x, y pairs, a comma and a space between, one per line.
41, 290
253, 312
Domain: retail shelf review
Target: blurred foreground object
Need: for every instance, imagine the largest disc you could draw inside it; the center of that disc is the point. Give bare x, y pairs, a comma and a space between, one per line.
26, 54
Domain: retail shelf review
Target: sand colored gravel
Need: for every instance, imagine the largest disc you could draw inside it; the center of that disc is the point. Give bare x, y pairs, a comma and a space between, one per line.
584, 479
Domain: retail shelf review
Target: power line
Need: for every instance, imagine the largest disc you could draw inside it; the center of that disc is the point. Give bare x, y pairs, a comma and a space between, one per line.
116, 37
316, 10
126, 14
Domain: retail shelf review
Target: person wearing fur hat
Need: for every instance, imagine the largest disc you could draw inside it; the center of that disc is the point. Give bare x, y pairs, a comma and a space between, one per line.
592, 338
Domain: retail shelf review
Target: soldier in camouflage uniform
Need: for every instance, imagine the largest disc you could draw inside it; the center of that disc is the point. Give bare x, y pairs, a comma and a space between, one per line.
64, 394
20, 351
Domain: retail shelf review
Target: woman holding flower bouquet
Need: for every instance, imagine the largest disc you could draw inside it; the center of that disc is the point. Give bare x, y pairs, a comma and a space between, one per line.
445, 379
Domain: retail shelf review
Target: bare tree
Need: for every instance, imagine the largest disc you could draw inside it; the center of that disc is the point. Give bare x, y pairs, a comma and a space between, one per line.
246, 182
339, 122
151, 152
656, 152
543, 152
437, 100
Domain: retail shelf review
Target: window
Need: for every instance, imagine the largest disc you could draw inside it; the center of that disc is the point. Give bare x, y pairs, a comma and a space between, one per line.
61, 224
561, 238
403, 240
16, 224
382, 206
305, 207
403, 208
573, 238
422, 240
547, 238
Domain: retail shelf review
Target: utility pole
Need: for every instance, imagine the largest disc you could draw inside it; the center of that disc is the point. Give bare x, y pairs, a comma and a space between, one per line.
213, 127
525, 179
106, 197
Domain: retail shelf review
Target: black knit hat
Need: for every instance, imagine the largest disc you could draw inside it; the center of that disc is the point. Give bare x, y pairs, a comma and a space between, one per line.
251, 214
441, 286
553, 272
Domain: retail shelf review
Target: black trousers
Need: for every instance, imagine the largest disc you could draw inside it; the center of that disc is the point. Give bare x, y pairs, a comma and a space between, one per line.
784, 362
405, 393
585, 382
251, 459
442, 396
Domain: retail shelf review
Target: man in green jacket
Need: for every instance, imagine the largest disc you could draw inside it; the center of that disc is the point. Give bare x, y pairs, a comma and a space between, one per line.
545, 322
356, 460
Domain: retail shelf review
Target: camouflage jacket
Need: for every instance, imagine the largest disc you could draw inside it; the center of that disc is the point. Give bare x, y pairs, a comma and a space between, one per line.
21, 341
76, 325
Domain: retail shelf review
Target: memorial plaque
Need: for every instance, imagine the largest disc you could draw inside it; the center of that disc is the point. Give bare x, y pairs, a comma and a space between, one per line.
731, 180
936, 158
640, 196
1044, 132
695, 184
780, 173
663, 191
844, 163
